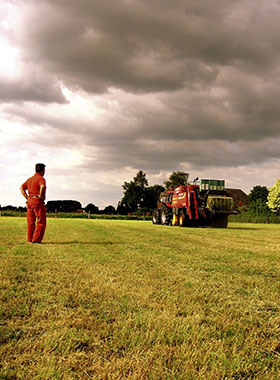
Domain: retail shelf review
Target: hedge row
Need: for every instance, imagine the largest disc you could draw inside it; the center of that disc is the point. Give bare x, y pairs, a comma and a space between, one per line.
240, 218
251, 218
79, 215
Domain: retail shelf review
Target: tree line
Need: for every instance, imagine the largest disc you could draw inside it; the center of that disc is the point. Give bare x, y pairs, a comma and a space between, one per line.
66, 206
74, 206
264, 201
139, 197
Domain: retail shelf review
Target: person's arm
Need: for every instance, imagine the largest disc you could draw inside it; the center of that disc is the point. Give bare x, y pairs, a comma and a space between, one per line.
42, 192
23, 192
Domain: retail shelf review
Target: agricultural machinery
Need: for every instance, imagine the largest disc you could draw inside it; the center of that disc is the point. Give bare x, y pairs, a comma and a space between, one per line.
207, 204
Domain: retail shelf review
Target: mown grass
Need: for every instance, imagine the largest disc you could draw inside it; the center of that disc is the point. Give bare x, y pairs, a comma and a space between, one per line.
105, 299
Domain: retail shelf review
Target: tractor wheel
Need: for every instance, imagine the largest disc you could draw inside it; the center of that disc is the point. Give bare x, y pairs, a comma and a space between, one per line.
156, 216
174, 220
165, 215
220, 221
182, 219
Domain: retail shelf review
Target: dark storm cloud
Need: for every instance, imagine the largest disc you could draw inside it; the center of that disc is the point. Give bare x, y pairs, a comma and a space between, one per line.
196, 82
30, 88
112, 143
149, 46
168, 154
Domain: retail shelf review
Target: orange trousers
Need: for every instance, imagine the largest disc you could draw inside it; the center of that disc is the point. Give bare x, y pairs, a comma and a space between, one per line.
36, 220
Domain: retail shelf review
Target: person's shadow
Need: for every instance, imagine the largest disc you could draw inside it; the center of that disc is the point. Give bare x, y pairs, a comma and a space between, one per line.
108, 243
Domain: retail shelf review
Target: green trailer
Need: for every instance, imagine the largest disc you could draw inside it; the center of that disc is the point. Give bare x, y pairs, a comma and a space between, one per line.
212, 184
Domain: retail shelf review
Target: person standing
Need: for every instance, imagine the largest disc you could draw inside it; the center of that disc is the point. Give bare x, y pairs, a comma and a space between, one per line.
34, 190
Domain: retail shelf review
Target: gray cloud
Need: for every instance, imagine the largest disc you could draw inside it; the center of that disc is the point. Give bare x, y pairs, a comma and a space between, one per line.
122, 139
215, 63
149, 46
29, 88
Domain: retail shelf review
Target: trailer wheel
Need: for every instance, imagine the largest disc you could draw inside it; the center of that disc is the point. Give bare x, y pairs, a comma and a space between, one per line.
156, 216
182, 219
165, 215
220, 221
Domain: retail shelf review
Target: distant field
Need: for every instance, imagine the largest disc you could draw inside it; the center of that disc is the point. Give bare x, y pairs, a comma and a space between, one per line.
109, 299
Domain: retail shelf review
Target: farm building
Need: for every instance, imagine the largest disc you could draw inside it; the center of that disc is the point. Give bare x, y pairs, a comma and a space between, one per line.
239, 197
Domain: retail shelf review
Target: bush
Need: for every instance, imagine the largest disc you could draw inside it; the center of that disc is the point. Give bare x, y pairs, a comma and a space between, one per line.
258, 207
247, 217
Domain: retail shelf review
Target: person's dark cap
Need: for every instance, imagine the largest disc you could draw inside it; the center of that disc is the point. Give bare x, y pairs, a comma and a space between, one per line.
39, 167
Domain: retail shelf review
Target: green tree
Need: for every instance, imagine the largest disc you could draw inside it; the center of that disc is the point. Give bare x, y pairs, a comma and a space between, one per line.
91, 208
258, 201
134, 192
138, 196
273, 198
258, 192
258, 207
177, 178
109, 210
132, 196
121, 209
63, 206
151, 196
140, 180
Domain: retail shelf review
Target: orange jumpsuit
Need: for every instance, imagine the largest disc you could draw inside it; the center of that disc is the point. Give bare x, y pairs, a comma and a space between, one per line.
35, 209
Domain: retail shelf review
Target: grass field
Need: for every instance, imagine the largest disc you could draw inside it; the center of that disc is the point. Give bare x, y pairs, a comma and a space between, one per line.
105, 299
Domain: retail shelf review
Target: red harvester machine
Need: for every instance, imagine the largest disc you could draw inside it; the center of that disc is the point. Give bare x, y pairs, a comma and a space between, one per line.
207, 204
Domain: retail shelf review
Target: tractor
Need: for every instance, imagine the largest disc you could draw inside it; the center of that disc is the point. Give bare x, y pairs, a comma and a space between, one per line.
207, 204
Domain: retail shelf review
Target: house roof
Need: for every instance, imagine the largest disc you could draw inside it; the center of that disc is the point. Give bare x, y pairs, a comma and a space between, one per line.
240, 198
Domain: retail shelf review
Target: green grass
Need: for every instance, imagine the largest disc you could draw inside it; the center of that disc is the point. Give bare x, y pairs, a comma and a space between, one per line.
107, 299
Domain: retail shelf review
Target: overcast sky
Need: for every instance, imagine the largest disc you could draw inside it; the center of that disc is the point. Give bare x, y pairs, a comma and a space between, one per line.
99, 89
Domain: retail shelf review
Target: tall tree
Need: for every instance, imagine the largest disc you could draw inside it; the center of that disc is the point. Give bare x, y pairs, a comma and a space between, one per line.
258, 192
138, 195
140, 179
273, 198
177, 178
134, 192
121, 209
